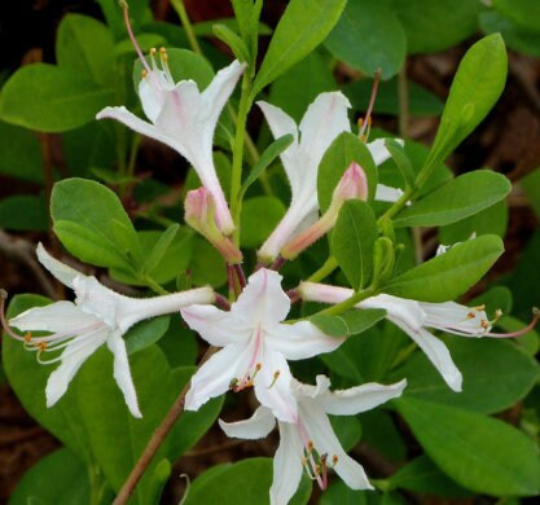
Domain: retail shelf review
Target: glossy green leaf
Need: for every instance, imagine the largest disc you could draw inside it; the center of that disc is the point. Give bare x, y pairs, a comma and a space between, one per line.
369, 37
353, 240
86, 46
24, 212
146, 333
496, 375
20, 153
63, 100
233, 40
482, 454
243, 483
402, 161
160, 247
348, 323
91, 211
303, 26
348, 430
461, 198
207, 265
431, 26
338, 493
260, 215
523, 12
448, 275
114, 15
344, 150
472, 95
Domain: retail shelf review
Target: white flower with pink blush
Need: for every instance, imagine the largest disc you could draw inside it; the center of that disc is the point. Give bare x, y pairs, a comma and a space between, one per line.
311, 443
256, 346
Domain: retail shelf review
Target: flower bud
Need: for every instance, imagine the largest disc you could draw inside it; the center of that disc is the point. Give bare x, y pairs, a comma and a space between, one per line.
200, 214
352, 185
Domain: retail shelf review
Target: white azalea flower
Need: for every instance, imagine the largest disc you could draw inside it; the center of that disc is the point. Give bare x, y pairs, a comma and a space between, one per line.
413, 318
256, 346
323, 121
98, 316
184, 118
311, 443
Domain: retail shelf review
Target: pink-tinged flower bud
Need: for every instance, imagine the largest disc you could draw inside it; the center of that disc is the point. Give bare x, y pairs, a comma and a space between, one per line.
200, 214
352, 185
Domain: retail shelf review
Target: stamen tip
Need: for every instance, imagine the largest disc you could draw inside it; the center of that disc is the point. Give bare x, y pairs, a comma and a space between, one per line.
536, 311
4, 294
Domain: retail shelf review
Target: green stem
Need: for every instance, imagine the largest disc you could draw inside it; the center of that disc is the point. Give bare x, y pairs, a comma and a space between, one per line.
402, 201
238, 154
328, 267
348, 304
180, 9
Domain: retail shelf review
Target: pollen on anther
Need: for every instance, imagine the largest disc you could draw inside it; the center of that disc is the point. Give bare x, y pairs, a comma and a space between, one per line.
153, 51
471, 315
310, 446
28, 337
335, 460
484, 324
144, 74
42, 346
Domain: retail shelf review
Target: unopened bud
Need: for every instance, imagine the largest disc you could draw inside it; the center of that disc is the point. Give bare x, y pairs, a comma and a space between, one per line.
200, 214
352, 185
384, 259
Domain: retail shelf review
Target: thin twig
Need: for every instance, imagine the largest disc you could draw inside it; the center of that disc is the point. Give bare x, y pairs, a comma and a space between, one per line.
156, 440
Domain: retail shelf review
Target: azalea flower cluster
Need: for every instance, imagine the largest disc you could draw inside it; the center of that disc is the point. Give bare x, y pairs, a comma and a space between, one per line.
252, 340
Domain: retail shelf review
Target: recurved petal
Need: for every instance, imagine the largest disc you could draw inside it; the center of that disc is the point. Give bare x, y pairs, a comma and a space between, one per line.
259, 425
215, 376
60, 316
273, 386
216, 326
280, 122
263, 301
65, 274
287, 465
300, 340
348, 402
122, 373
73, 356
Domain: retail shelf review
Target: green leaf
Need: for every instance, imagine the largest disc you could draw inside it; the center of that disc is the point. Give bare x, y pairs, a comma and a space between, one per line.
353, 240
114, 15
348, 323
231, 39
482, 454
449, 275
348, 431
477, 86
431, 26
24, 212
86, 46
62, 101
20, 154
146, 333
254, 229
369, 37
118, 438
463, 197
496, 375
422, 476
269, 155
303, 26
401, 160
28, 379
523, 12
91, 211
344, 150
243, 483
60, 478
160, 247
207, 265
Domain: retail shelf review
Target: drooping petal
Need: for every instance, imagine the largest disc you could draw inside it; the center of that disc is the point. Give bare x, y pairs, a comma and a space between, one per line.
73, 356
348, 402
300, 340
387, 194
273, 386
215, 376
259, 425
122, 372
287, 465
456, 318
216, 326
399, 309
321, 432
263, 300
58, 317
65, 274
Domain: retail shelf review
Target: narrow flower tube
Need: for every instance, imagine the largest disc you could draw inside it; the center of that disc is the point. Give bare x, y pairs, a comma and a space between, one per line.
98, 316
352, 185
200, 212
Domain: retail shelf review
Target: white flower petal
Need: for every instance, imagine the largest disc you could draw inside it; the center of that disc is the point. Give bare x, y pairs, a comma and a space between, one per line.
122, 373
65, 274
215, 376
387, 194
348, 402
217, 327
379, 152
275, 393
320, 430
456, 318
287, 465
151, 100
58, 317
263, 300
301, 340
76, 353
398, 309
259, 425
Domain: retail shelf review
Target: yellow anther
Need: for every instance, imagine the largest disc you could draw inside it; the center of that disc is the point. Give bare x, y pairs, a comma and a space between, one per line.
258, 367
162, 50
317, 469
144, 74
28, 337
369, 121
153, 51
276, 377
335, 460
480, 308
498, 314
360, 122
42, 346
484, 324
310, 446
